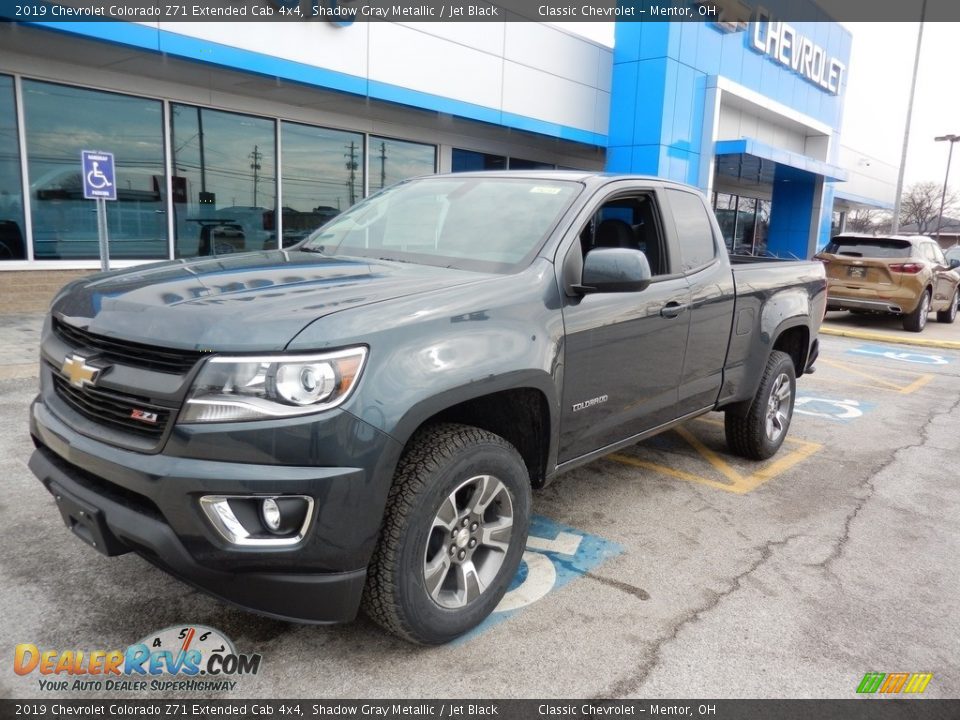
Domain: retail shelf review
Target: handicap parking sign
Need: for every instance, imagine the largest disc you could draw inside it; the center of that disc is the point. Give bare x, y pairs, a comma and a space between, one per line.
99, 181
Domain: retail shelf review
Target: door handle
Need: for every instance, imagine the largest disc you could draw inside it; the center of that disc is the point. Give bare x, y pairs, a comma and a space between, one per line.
672, 309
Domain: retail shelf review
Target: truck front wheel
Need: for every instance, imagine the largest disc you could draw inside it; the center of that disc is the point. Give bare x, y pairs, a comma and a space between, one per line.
453, 534
758, 432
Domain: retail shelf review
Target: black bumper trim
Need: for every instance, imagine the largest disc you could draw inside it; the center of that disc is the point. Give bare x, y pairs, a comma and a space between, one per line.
307, 597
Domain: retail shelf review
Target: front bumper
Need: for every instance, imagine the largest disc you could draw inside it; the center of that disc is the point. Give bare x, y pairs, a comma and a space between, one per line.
150, 504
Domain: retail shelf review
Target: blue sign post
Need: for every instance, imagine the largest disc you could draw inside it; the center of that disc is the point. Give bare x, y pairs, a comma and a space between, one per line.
99, 183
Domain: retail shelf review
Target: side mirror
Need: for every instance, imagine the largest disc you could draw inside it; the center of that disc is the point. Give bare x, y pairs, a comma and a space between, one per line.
614, 270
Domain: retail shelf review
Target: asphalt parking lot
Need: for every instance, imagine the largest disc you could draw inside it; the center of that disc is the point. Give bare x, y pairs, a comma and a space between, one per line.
668, 570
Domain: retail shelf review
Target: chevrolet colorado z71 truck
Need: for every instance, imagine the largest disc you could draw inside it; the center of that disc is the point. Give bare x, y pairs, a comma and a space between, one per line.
358, 420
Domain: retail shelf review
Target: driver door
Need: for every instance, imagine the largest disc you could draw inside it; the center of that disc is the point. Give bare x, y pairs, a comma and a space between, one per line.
624, 351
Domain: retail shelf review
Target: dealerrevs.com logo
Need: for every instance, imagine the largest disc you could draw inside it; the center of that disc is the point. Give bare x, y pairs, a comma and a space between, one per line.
178, 658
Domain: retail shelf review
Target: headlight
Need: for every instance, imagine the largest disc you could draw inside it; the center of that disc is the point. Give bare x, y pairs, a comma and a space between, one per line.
256, 388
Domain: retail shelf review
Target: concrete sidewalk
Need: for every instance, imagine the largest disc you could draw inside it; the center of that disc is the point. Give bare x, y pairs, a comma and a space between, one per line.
887, 328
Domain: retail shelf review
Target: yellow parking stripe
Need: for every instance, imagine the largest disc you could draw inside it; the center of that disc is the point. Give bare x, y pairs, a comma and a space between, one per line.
710, 456
878, 382
737, 483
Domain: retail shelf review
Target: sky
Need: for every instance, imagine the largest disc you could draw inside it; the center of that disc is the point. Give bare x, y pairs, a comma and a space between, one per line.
878, 89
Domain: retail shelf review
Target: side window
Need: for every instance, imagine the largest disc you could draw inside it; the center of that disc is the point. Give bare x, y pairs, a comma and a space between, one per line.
697, 246
938, 256
628, 222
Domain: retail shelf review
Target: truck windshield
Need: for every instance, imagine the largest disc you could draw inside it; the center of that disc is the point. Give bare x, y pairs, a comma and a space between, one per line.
490, 224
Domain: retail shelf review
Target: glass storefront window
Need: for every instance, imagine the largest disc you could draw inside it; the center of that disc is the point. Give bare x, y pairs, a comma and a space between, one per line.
224, 181
725, 208
746, 224
322, 176
13, 235
763, 227
470, 160
60, 122
391, 161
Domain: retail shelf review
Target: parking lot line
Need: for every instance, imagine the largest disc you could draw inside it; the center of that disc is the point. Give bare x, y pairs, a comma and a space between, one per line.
878, 382
736, 482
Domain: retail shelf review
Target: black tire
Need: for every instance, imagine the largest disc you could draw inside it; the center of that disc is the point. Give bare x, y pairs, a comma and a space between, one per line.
435, 473
950, 314
746, 425
916, 321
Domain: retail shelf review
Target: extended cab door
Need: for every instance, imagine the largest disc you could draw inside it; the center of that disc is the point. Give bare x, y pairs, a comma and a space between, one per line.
624, 351
704, 262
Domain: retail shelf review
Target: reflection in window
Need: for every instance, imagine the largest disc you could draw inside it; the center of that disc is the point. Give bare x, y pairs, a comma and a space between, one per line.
763, 227
224, 181
60, 122
725, 208
521, 164
469, 161
322, 176
746, 224
12, 233
391, 161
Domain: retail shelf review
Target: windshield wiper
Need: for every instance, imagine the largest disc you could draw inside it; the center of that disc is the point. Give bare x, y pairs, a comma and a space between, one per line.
310, 249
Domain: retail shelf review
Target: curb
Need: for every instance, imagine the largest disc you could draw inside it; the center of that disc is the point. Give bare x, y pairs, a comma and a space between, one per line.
896, 339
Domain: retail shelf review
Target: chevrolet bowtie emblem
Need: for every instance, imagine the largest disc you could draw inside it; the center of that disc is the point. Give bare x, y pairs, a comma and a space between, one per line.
78, 372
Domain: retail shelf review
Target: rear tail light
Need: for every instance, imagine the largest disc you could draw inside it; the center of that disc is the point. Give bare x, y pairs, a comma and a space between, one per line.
909, 268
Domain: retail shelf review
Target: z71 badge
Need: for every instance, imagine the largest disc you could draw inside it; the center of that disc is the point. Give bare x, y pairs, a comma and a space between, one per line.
144, 416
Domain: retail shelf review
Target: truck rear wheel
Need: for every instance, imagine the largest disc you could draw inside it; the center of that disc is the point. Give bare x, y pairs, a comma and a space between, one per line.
453, 534
758, 432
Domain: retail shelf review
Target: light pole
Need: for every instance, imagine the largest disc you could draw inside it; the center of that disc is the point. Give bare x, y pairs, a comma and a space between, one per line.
943, 196
906, 130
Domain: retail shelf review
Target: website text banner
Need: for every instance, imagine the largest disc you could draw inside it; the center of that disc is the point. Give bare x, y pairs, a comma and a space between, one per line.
730, 15
885, 709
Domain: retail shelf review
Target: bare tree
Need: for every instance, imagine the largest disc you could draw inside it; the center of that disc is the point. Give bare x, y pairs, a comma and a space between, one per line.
920, 206
867, 220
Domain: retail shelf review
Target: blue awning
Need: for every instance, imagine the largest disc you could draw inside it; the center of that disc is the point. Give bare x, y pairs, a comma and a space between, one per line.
840, 194
750, 146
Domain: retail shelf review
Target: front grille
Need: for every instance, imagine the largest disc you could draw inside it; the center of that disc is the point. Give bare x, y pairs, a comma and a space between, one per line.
113, 409
122, 352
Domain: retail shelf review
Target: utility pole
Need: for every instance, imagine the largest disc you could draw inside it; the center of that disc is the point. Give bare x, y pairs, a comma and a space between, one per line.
943, 196
256, 156
383, 164
352, 166
906, 131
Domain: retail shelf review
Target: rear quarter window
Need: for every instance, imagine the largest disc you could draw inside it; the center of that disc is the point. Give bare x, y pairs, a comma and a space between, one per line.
697, 246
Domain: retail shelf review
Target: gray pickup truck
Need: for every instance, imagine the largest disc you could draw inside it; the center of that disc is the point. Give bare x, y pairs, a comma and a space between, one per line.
359, 420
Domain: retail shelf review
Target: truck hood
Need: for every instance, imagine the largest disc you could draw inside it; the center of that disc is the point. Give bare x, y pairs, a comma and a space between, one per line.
251, 302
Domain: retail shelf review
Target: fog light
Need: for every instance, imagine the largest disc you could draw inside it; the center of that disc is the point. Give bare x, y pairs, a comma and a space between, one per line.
255, 520
270, 512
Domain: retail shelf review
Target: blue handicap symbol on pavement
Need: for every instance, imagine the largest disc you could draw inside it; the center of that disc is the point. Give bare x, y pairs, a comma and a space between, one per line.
555, 555
99, 180
893, 353
831, 408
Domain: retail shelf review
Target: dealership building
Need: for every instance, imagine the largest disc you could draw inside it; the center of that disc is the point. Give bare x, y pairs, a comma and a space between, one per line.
240, 136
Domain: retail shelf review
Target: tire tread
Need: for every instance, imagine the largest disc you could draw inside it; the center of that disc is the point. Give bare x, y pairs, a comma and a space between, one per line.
425, 455
745, 431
